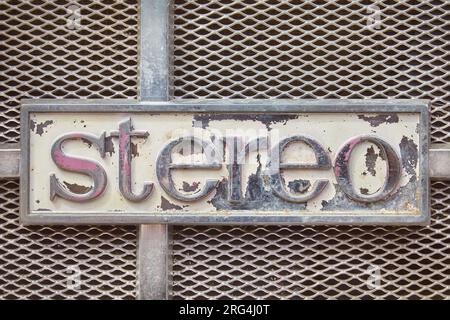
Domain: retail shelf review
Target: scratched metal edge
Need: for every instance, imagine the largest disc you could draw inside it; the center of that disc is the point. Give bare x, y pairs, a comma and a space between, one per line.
24, 172
244, 106
229, 106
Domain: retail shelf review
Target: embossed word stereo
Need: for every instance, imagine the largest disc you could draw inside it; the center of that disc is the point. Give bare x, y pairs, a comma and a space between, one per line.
331, 161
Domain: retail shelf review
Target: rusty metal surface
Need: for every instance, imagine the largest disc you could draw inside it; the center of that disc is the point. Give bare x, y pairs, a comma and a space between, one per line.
74, 198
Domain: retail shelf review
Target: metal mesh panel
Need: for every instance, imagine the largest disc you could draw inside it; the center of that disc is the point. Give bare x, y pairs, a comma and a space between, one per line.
315, 49
63, 262
316, 262
64, 49
232, 49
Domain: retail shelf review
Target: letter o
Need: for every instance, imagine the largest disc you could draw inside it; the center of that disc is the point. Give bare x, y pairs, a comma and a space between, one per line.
393, 172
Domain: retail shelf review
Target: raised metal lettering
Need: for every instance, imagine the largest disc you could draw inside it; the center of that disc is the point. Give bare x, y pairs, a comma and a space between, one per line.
84, 166
236, 158
125, 133
275, 166
164, 166
393, 172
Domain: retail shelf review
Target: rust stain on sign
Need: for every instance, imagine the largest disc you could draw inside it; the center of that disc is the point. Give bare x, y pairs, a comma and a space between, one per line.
76, 188
39, 127
376, 120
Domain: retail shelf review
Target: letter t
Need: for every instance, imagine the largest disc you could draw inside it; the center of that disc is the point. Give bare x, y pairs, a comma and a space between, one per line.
125, 133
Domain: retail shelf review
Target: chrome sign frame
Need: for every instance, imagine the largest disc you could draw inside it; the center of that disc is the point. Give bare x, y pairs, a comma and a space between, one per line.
230, 108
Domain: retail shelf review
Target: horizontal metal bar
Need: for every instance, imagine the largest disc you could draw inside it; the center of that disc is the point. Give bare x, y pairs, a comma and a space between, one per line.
9, 161
196, 105
439, 157
439, 161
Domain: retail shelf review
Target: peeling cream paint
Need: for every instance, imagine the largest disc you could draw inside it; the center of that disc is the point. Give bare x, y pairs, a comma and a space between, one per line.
330, 130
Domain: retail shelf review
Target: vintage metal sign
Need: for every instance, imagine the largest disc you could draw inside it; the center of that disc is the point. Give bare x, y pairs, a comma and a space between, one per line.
283, 162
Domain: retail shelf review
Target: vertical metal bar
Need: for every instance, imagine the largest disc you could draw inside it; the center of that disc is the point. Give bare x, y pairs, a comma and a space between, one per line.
154, 55
155, 17
153, 252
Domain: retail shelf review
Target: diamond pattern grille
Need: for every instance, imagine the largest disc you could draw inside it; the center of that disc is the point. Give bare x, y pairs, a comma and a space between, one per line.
329, 262
64, 49
315, 49
230, 49
63, 262
47, 52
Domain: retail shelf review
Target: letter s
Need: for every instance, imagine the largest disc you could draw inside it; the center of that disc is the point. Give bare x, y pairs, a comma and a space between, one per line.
73, 164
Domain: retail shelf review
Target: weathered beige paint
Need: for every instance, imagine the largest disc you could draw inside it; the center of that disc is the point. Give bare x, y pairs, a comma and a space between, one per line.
330, 130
